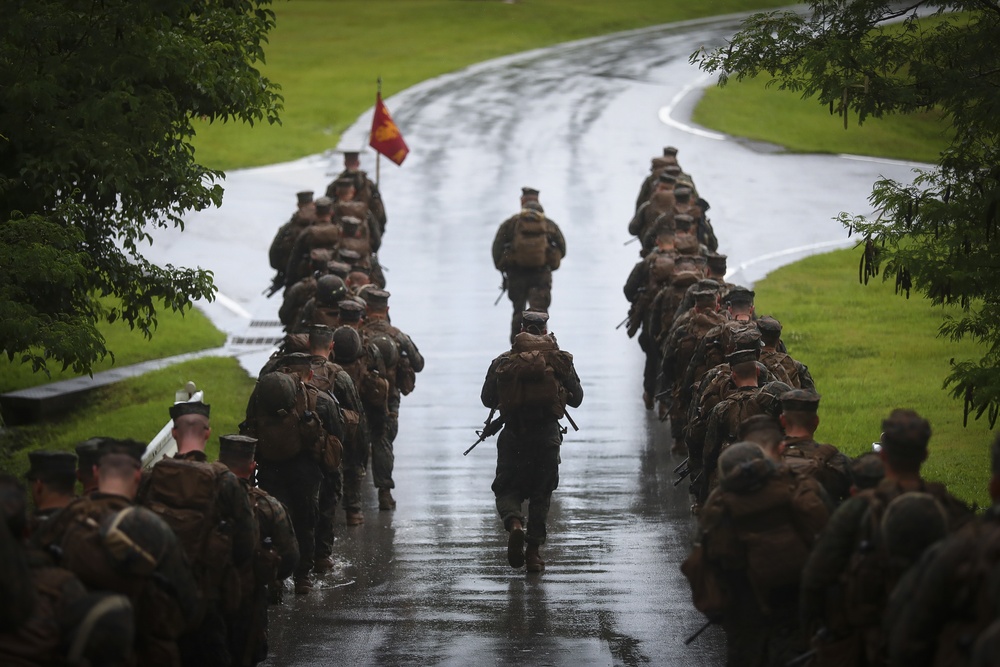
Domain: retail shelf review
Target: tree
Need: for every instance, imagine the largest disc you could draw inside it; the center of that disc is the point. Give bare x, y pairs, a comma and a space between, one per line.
98, 100
939, 236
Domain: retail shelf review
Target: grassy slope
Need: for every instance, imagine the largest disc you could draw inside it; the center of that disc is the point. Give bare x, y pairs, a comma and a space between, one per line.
751, 109
871, 351
175, 334
137, 408
327, 56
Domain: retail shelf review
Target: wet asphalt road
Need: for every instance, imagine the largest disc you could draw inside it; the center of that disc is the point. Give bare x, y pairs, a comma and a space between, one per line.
429, 583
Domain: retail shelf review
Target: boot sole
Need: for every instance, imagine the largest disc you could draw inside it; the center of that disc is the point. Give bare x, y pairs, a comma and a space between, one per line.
515, 548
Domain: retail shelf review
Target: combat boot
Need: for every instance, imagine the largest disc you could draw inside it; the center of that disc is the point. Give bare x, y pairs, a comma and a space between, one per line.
354, 517
515, 544
323, 565
303, 585
385, 500
533, 561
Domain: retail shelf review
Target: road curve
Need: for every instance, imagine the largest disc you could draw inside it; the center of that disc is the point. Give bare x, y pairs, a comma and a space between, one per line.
428, 584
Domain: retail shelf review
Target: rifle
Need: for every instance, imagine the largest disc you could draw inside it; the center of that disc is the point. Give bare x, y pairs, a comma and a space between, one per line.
631, 240
683, 473
620, 324
490, 427
276, 284
697, 633
503, 288
570, 418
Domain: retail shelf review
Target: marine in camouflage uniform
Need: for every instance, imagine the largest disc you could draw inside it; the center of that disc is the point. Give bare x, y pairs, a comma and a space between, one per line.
845, 583
723, 423
527, 287
401, 376
945, 606
284, 239
207, 644
366, 190
755, 532
331, 377
800, 420
528, 446
324, 232
275, 555
53, 480
300, 293
155, 576
363, 363
779, 362
296, 481
48, 617
657, 210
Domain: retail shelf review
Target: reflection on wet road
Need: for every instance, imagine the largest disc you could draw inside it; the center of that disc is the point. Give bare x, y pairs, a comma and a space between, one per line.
429, 583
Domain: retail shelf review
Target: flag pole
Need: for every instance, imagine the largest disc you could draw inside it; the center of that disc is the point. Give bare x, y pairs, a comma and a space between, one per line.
378, 155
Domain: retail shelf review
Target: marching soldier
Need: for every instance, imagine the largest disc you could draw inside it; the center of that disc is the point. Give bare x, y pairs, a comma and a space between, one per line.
527, 248
531, 391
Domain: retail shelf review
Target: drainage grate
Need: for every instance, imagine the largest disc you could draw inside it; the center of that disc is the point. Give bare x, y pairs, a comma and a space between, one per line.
262, 340
265, 323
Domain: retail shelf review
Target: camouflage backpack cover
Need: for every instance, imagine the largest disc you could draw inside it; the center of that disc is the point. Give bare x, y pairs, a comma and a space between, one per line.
529, 246
284, 417
529, 377
185, 495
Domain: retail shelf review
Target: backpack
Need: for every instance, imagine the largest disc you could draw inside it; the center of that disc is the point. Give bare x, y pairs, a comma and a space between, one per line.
661, 269
527, 378
530, 243
185, 495
285, 421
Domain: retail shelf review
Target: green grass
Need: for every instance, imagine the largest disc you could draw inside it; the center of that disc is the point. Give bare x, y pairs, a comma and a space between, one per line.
175, 334
137, 408
328, 55
751, 109
871, 351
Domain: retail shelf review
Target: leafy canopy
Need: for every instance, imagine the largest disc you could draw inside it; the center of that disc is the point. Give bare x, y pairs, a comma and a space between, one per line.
938, 236
97, 100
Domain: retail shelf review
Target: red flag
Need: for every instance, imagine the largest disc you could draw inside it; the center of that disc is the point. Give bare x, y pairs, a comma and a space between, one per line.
385, 136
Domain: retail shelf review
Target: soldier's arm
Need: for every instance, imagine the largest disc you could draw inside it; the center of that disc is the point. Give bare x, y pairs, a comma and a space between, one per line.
636, 280
283, 538
925, 600
489, 394
635, 224
346, 392
236, 509
500, 242
556, 236
329, 414
374, 232
829, 558
407, 346
805, 377
574, 390
378, 206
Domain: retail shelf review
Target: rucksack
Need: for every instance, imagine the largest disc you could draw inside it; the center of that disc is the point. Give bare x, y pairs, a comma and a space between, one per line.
527, 378
661, 268
185, 495
530, 242
285, 420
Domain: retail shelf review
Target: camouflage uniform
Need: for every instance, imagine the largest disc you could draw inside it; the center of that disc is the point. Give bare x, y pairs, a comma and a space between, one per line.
365, 190
949, 599
526, 287
207, 644
275, 558
755, 531
385, 426
528, 446
845, 559
331, 377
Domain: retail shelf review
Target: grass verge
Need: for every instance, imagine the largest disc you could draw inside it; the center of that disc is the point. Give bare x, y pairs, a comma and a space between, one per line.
136, 408
327, 57
175, 334
871, 351
750, 109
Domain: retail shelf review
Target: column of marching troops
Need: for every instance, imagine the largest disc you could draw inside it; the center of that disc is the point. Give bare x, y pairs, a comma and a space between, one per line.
803, 556
177, 565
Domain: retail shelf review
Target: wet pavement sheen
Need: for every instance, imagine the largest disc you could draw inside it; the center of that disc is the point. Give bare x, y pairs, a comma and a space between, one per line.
429, 583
